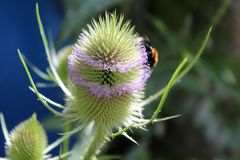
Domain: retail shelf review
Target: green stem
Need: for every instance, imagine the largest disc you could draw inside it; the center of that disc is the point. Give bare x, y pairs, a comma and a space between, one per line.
67, 128
96, 144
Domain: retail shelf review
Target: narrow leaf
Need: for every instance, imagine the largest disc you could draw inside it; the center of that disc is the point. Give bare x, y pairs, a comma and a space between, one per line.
183, 73
49, 57
56, 143
36, 70
4, 128
165, 94
35, 88
45, 85
58, 105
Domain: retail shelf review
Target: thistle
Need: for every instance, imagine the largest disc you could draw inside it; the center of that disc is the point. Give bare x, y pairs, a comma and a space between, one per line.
107, 72
27, 141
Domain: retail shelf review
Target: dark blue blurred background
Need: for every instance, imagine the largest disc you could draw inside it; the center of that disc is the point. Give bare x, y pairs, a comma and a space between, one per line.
18, 29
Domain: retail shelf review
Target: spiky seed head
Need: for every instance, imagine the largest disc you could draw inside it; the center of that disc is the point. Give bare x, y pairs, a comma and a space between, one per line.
107, 71
27, 141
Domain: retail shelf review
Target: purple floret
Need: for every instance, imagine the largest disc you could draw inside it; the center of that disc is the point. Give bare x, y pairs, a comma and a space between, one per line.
79, 57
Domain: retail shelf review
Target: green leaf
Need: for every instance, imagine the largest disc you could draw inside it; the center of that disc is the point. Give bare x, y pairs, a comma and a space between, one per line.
58, 105
36, 70
4, 128
49, 57
183, 73
35, 88
56, 143
169, 86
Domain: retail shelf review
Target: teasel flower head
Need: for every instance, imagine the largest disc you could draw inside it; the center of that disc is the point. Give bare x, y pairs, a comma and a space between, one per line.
107, 69
27, 141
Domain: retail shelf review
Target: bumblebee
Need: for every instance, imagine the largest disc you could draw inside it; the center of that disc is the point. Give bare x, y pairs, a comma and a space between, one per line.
152, 53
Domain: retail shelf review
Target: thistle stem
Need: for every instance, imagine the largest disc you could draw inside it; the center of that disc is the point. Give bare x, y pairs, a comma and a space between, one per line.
67, 128
96, 144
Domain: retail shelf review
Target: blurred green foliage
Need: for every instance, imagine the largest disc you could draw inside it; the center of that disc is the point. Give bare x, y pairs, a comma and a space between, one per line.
208, 98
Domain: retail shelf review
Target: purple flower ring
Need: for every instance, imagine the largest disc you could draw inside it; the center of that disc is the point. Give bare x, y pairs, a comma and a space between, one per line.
107, 70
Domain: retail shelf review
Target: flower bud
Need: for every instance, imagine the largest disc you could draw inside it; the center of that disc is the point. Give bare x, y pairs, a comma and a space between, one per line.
27, 141
107, 70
